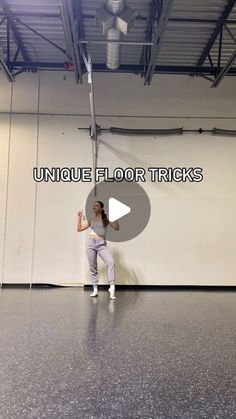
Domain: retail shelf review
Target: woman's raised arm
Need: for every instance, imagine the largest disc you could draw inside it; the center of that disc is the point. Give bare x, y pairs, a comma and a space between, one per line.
81, 226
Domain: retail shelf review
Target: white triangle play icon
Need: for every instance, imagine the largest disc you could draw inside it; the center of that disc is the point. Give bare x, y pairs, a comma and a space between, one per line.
117, 209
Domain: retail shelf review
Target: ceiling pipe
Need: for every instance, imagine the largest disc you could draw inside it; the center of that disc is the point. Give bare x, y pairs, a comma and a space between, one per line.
114, 17
113, 34
113, 50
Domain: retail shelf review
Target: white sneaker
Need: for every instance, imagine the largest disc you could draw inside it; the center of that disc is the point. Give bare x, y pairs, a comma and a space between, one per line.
94, 294
112, 294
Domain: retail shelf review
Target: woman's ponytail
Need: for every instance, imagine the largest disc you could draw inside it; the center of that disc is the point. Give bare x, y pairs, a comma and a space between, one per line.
103, 214
104, 218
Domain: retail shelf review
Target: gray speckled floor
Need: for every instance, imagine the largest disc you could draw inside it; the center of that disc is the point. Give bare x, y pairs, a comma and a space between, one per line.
149, 354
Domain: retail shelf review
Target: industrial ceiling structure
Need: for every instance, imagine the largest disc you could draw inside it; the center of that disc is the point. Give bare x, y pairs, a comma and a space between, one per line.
191, 37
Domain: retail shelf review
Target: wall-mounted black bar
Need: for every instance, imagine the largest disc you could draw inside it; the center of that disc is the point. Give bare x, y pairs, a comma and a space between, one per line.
162, 132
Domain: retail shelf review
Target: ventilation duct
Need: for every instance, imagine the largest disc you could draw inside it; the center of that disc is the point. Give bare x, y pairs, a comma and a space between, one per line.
114, 18
115, 6
113, 50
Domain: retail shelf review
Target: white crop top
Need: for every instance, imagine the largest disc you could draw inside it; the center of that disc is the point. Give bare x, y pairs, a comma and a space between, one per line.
97, 228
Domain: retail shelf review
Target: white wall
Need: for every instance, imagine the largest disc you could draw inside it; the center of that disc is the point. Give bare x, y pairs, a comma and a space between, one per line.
191, 236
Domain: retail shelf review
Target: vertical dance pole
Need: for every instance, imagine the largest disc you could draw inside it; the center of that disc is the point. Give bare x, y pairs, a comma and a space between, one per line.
7, 187
36, 183
93, 134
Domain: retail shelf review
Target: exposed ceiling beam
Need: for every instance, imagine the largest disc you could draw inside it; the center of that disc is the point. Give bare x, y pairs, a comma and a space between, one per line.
6, 71
158, 38
230, 33
68, 20
173, 19
216, 31
146, 50
41, 36
33, 14
2, 20
225, 70
135, 69
77, 5
11, 19
41, 15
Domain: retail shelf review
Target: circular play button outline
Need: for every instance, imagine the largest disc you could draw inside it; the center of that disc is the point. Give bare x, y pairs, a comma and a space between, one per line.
121, 194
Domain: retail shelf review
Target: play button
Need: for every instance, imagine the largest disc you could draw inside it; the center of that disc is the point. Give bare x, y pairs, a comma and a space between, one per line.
117, 209
124, 201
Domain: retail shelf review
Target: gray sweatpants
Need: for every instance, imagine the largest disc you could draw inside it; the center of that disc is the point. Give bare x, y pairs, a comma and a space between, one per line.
98, 247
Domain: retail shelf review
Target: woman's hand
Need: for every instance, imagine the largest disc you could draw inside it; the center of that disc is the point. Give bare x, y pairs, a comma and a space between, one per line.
114, 225
81, 226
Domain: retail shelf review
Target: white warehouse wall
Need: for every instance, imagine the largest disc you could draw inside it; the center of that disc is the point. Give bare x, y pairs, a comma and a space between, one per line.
191, 235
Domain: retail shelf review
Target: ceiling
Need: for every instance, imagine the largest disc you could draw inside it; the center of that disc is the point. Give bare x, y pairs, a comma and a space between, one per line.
198, 37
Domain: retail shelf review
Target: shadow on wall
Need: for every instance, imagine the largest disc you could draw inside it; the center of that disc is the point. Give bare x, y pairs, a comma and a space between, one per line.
124, 275
133, 161
125, 156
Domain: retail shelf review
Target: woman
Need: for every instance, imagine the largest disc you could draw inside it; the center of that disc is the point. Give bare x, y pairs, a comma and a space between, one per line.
97, 245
